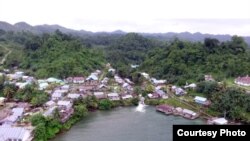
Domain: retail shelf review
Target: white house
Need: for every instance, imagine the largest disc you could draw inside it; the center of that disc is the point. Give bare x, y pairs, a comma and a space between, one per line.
201, 100
65, 87
8, 133
50, 103
178, 90
53, 80
92, 77
18, 111
56, 96
78, 80
43, 85
64, 104
158, 82
73, 96
118, 79
113, 96
127, 96
99, 95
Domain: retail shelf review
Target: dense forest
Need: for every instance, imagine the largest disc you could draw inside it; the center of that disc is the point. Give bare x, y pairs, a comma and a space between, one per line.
179, 61
61, 55
58, 55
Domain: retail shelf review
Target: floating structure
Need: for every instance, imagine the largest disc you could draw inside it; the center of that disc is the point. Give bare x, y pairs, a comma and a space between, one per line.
178, 111
167, 109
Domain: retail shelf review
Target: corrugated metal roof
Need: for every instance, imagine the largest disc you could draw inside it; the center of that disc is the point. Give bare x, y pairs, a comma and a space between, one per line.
203, 99
18, 111
12, 132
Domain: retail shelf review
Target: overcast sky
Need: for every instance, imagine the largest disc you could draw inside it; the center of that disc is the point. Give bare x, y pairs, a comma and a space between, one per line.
205, 16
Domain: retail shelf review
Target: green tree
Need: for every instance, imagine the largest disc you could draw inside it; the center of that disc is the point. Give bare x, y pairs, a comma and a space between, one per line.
37, 118
105, 104
80, 110
149, 88
40, 132
9, 91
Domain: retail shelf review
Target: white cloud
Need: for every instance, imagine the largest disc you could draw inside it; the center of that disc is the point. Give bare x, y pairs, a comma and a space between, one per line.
131, 15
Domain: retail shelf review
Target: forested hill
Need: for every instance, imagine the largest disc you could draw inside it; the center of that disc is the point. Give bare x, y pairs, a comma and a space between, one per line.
51, 55
105, 38
60, 55
130, 49
182, 61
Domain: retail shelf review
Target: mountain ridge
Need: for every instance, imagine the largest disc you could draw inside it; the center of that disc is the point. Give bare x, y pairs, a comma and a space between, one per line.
46, 28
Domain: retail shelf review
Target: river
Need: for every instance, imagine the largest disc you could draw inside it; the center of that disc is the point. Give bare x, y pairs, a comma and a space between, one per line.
125, 124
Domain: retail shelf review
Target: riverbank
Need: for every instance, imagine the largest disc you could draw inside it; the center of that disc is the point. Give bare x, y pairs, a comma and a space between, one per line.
124, 124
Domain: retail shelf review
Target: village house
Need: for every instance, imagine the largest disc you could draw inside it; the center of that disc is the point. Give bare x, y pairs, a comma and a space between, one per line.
161, 93
63, 104
57, 96
54, 80
65, 87
50, 111
92, 77
86, 88
158, 82
97, 72
8, 133
113, 96
16, 114
127, 86
42, 85
186, 113
99, 95
50, 104
15, 76
244, 81
178, 91
126, 96
118, 79
167, 109
78, 80
102, 87
73, 96
105, 80
201, 100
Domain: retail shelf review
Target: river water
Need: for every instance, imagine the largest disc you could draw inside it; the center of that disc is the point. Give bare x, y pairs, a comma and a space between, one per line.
125, 124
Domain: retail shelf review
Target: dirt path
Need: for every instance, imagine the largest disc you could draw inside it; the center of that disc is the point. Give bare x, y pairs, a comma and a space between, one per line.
5, 56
